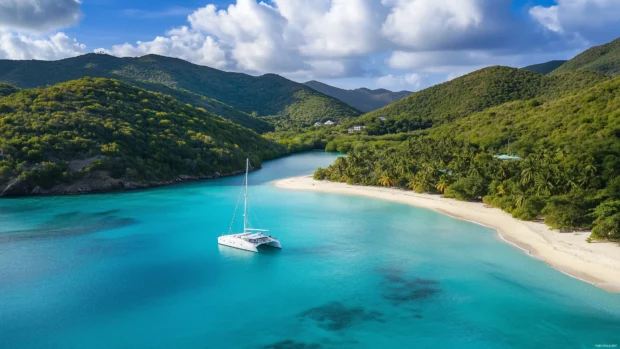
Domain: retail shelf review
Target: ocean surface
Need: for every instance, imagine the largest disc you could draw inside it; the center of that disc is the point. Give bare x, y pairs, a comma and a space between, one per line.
144, 270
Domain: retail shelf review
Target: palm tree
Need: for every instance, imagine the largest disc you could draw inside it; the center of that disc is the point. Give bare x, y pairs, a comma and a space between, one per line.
385, 180
528, 171
519, 194
544, 183
443, 184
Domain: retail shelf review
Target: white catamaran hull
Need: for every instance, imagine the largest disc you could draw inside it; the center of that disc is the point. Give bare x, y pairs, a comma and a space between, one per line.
236, 241
251, 238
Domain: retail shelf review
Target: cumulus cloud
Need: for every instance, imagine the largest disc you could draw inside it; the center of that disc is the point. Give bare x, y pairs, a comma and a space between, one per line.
181, 43
393, 42
15, 46
548, 17
337, 28
328, 38
38, 15
594, 21
411, 82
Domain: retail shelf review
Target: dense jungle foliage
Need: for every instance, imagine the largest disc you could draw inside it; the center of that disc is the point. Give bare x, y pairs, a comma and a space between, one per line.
236, 96
134, 134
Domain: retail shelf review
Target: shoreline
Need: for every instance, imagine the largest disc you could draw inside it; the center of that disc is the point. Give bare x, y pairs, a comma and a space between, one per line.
596, 263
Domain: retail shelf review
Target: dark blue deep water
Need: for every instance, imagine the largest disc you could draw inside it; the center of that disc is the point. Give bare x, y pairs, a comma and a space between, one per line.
143, 270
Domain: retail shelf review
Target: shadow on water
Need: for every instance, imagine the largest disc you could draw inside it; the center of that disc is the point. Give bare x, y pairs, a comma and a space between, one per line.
291, 344
400, 289
70, 224
336, 316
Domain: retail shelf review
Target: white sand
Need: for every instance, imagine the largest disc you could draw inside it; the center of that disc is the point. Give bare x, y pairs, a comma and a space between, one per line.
596, 263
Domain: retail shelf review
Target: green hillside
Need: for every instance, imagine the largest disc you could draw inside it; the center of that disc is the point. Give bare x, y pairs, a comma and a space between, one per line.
544, 68
6, 89
568, 172
461, 97
604, 59
587, 121
363, 99
217, 91
101, 134
455, 99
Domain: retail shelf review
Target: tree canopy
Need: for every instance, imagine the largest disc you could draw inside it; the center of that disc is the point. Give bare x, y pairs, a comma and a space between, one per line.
134, 134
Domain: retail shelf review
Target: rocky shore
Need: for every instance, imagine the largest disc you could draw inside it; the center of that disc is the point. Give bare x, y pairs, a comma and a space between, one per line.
97, 182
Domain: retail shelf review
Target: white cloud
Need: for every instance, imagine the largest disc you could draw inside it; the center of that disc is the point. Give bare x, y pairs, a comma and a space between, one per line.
424, 24
324, 38
548, 17
57, 46
254, 34
392, 42
181, 43
338, 28
595, 21
38, 15
411, 82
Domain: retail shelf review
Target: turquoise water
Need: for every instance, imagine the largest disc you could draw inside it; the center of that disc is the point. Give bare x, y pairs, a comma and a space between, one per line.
143, 270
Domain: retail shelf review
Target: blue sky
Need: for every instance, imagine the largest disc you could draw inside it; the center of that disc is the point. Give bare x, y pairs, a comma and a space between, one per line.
395, 44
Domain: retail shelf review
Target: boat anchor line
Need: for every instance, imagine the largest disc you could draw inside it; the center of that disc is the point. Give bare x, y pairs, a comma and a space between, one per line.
251, 238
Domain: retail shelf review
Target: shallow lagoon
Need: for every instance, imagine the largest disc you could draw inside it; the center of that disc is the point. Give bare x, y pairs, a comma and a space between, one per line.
143, 270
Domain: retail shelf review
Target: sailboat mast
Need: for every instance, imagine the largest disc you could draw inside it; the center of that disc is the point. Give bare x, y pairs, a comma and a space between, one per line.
245, 204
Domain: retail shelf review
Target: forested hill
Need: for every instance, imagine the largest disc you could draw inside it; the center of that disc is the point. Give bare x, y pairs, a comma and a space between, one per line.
604, 59
215, 90
544, 68
482, 89
363, 99
100, 134
568, 170
6, 89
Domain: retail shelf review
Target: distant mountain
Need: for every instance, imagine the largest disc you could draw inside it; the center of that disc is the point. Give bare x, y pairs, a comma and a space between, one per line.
545, 68
93, 135
6, 89
363, 99
604, 59
233, 95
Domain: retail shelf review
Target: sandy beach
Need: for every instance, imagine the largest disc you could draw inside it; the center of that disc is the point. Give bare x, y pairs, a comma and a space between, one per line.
596, 263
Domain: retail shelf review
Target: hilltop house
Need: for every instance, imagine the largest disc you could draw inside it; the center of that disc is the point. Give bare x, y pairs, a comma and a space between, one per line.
317, 124
356, 129
382, 119
329, 122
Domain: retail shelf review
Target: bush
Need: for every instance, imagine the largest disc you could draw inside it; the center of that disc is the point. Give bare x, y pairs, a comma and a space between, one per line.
502, 202
469, 188
319, 174
566, 213
607, 228
531, 209
331, 147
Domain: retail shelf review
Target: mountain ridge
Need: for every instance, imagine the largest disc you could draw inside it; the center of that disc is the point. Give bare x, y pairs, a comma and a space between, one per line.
363, 99
474, 92
220, 92
604, 59
545, 68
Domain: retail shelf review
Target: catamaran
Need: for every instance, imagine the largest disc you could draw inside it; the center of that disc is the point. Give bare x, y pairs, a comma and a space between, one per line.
251, 238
